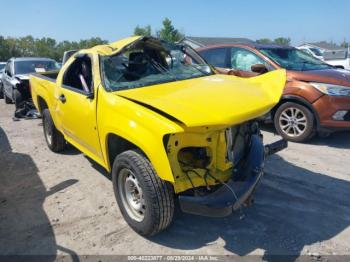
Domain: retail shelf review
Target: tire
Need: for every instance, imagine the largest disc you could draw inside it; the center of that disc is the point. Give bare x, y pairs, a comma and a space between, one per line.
54, 139
7, 99
294, 122
1, 91
17, 97
154, 212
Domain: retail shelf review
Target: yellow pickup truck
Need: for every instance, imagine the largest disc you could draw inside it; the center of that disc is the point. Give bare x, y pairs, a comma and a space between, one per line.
164, 123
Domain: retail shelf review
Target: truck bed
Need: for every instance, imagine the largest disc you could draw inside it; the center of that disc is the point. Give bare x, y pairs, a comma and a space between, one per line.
42, 86
50, 75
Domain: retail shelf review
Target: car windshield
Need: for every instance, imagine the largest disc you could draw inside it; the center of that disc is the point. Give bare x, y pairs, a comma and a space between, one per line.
294, 59
316, 51
32, 66
2, 66
150, 62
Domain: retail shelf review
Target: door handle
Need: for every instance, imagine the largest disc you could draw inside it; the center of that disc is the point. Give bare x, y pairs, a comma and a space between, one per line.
62, 98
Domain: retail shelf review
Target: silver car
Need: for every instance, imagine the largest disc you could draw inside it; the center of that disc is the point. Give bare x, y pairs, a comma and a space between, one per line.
15, 78
2, 68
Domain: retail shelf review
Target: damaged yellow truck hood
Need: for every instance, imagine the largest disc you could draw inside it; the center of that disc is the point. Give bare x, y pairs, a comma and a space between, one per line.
212, 100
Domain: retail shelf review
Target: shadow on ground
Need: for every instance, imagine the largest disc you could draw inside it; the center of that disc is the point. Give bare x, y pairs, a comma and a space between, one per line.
294, 207
24, 226
336, 139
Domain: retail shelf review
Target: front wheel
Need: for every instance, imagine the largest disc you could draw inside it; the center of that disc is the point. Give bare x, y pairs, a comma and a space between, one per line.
1, 91
294, 122
54, 139
145, 201
7, 99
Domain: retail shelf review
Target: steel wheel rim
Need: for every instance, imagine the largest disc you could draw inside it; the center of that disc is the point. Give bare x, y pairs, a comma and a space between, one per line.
48, 131
293, 122
131, 194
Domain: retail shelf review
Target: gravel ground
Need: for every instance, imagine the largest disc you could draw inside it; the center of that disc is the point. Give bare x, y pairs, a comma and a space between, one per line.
64, 204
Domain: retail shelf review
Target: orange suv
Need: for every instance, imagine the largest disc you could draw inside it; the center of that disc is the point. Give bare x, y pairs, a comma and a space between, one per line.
316, 97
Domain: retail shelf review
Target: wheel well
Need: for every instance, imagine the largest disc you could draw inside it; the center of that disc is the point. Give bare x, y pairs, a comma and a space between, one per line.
299, 101
42, 104
117, 145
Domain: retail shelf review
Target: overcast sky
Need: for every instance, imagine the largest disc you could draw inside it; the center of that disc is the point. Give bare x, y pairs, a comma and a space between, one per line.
302, 21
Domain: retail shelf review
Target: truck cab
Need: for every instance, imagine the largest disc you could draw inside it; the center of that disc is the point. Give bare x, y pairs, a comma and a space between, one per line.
163, 123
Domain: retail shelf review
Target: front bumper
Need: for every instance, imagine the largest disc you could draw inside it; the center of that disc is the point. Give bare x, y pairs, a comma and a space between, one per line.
327, 106
237, 191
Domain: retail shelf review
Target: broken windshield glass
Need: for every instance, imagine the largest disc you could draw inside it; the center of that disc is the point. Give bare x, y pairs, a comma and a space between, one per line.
149, 62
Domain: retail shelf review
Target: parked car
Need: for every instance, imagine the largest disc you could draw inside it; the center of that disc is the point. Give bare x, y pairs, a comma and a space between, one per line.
316, 96
313, 51
67, 55
339, 58
2, 68
16, 77
157, 117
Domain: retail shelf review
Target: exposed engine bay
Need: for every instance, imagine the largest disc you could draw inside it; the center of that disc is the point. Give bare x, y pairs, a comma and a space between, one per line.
207, 156
23, 100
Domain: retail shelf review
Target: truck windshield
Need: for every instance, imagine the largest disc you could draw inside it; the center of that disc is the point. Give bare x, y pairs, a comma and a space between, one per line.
150, 62
294, 59
32, 66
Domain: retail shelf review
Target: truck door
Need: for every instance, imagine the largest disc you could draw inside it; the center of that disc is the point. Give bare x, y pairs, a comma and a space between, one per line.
77, 95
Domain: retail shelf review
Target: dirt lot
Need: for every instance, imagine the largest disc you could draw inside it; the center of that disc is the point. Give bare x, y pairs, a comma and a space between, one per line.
64, 204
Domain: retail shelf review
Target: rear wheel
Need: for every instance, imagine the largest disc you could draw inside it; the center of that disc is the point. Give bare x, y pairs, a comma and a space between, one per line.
145, 201
54, 139
294, 122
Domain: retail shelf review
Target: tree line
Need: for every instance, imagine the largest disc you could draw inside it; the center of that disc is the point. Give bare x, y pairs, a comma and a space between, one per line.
41, 47
49, 47
168, 32
287, 41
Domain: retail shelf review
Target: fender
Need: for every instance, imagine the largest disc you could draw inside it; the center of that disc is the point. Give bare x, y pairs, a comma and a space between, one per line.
140, 126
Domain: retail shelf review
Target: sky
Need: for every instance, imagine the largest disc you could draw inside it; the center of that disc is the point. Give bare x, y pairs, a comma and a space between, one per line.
302, 21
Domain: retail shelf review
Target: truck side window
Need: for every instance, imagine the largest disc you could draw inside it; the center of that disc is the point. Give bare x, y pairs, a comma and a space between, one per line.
79, 75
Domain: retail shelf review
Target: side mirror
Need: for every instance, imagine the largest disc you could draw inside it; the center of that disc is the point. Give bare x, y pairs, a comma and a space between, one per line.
259, 68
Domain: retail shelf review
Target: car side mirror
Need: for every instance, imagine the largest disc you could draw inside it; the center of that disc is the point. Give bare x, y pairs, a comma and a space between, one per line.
259, 68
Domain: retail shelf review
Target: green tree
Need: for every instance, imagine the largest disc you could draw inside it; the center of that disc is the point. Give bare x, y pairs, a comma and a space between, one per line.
282, 41
345, 44
143, 31
25, 45
264, 41
168, 32
44, 47
12, 47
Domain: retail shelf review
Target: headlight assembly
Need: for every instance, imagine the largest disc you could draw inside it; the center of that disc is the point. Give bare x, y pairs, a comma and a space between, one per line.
332, 90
